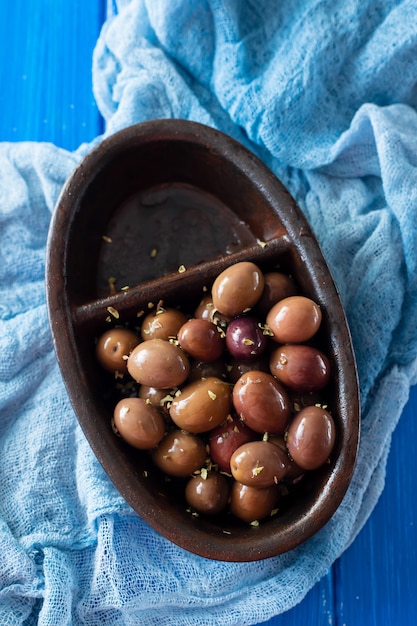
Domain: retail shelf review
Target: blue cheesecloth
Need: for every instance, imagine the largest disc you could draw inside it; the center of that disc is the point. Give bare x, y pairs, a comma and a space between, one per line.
325, 92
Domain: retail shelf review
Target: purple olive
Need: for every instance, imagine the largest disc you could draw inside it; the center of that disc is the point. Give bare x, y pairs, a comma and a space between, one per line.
245, 338
226, 438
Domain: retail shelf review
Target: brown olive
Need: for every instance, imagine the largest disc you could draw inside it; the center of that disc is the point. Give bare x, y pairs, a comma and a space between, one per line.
201, 405
208, 494
311, 436
294, 320
300, 367
162, 324
259, 464
237, 288
277, 286
158, 363
180, 454
139, 423
114, 346
206, 311
159, 398
251, 504
201, 340
261, 402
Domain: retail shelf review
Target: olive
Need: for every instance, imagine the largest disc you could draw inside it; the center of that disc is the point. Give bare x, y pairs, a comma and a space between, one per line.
311, 436
201, 405
208, 494
261, 402
201, 340
245, 338
159, 398
162, 324
158, 363
251, 504
114, 346
277, 286
237, 288
139, 423
259, 464
206, 311
180, 454
226, 438
300, 367
294, 320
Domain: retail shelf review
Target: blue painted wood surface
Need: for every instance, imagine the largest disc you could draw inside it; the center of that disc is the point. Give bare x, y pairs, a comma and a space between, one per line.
46, 95
45, 70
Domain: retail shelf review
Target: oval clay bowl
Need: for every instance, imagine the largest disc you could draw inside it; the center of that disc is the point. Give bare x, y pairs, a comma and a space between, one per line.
148, 200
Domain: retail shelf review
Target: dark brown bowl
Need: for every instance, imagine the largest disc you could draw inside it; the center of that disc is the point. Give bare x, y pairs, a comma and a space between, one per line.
203, 201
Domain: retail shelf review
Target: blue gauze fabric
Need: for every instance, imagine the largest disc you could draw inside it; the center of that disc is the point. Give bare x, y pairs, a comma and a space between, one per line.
314, 88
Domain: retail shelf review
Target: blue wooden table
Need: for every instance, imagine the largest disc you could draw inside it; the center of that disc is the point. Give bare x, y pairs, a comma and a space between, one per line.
46, 95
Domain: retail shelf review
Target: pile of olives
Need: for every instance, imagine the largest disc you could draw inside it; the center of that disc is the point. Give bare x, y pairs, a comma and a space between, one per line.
228, 399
